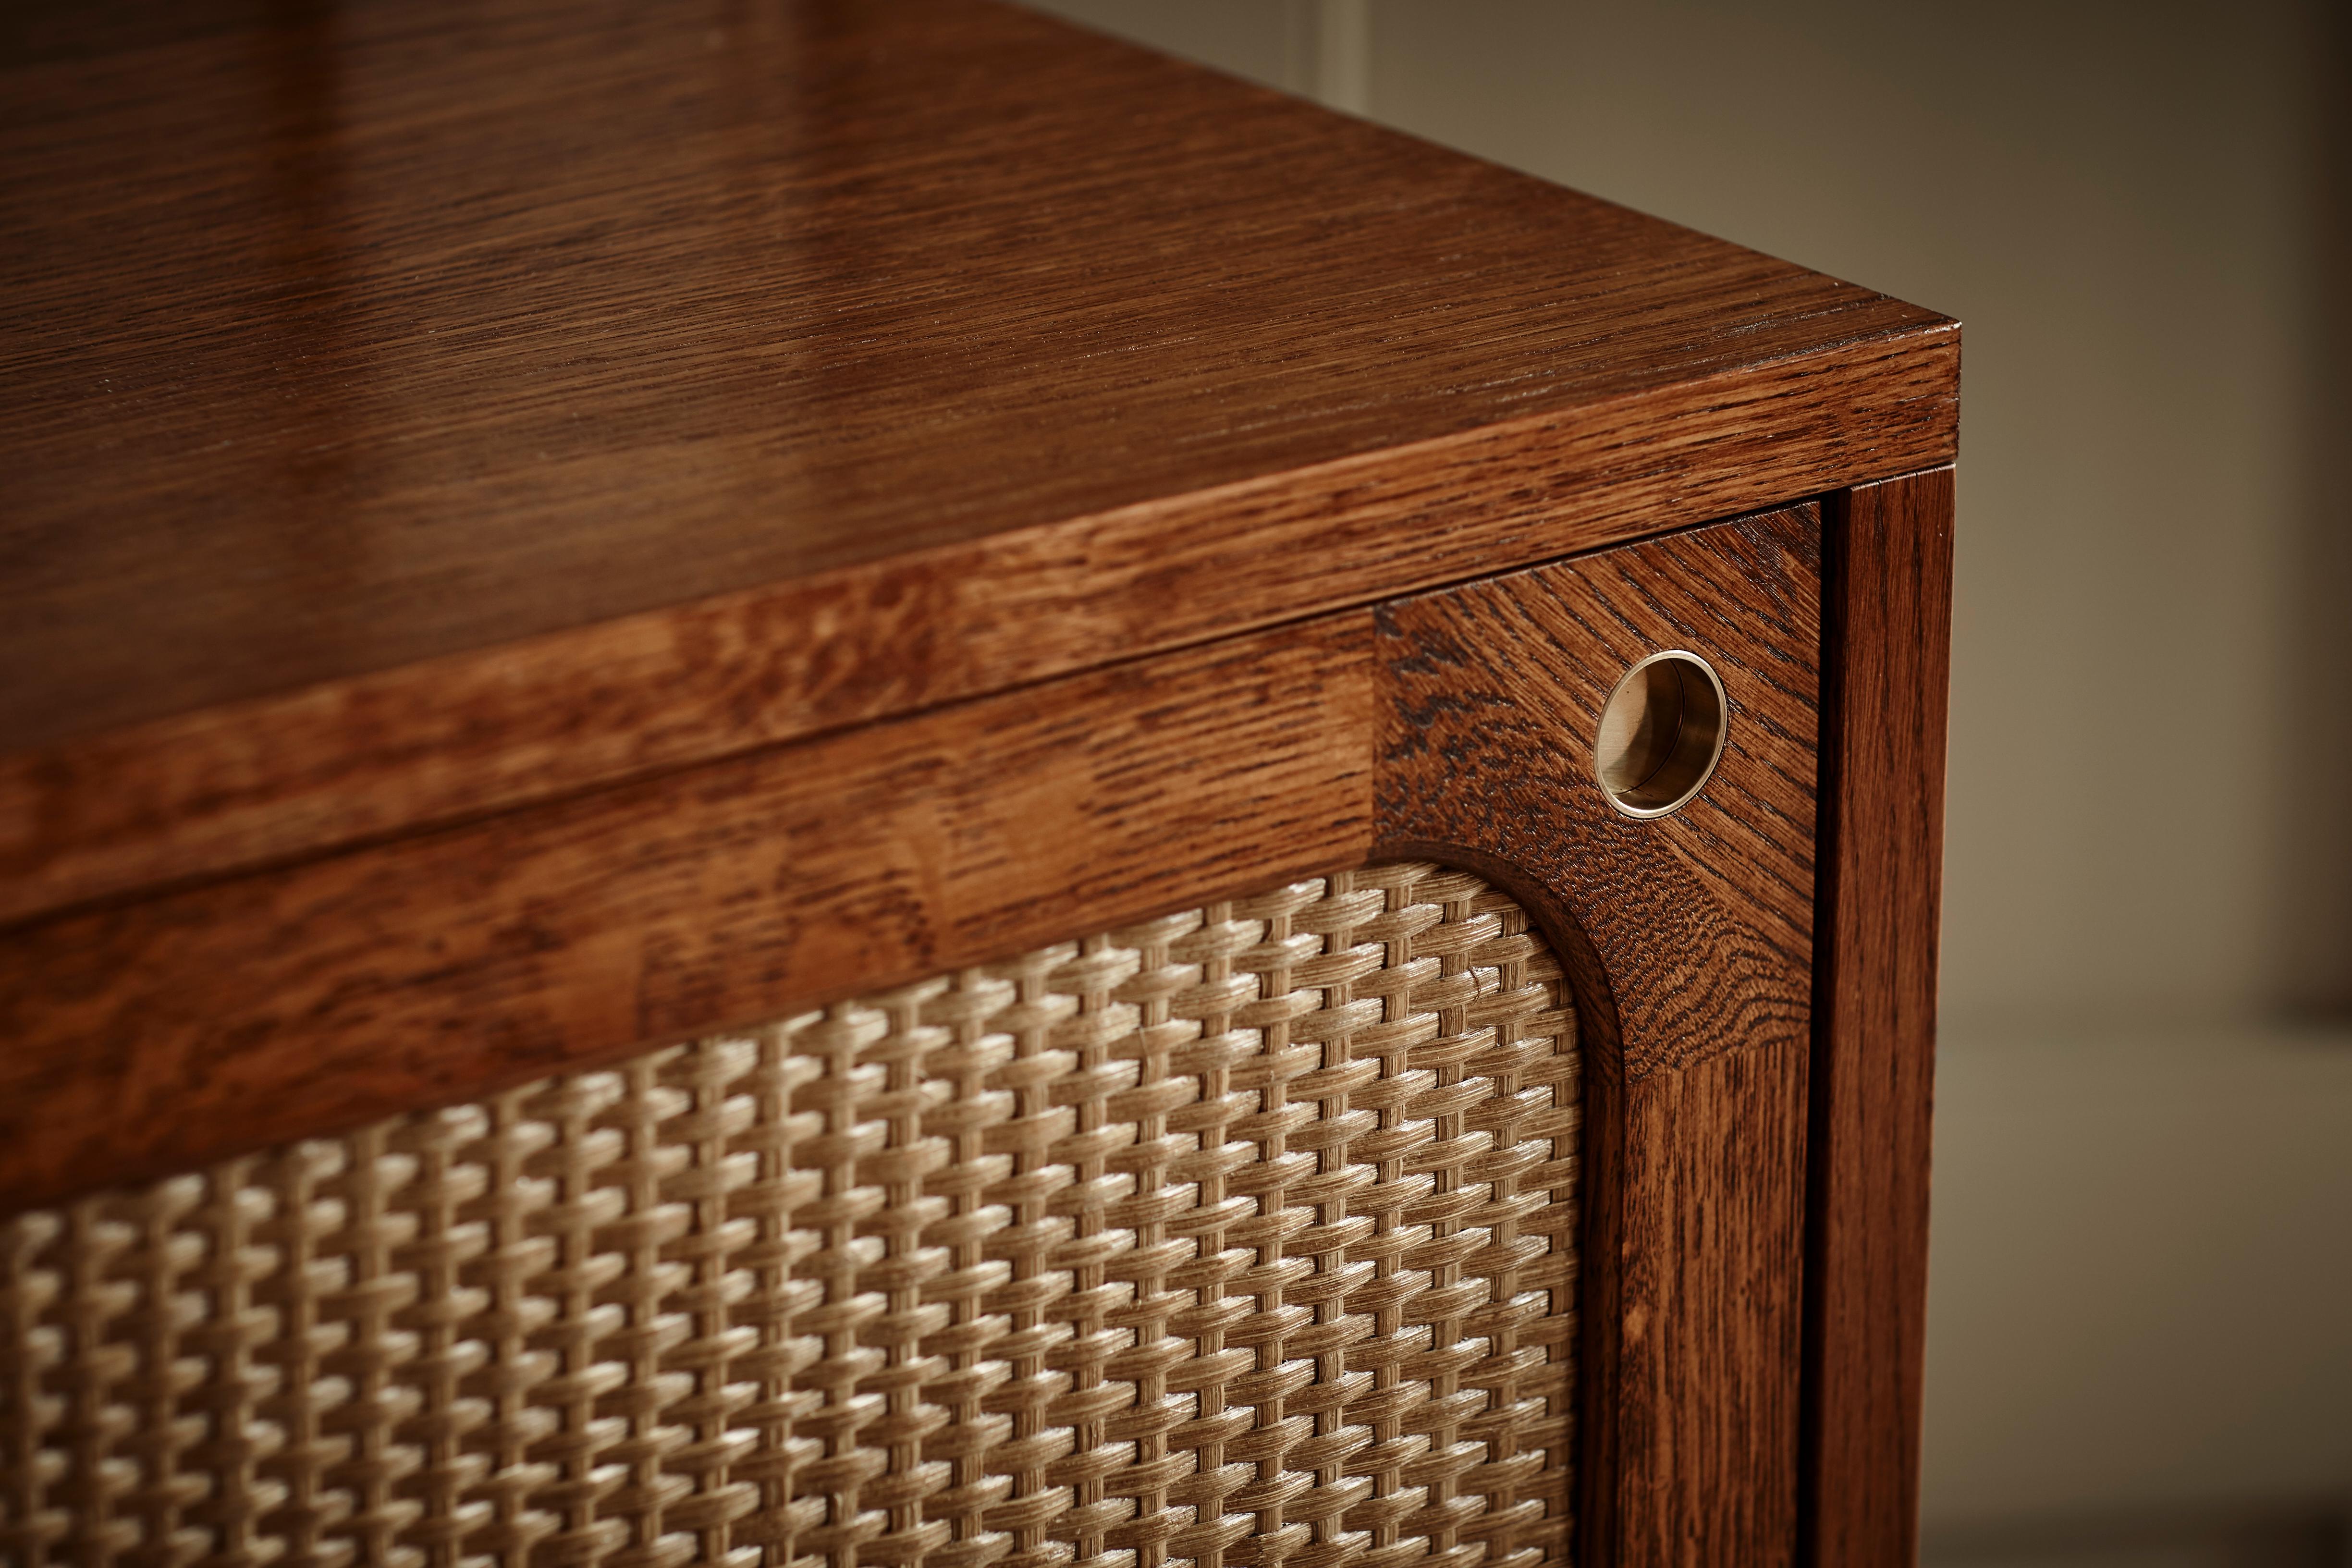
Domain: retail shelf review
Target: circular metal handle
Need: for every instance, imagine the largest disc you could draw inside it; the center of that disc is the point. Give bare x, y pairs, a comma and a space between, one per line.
1662, 733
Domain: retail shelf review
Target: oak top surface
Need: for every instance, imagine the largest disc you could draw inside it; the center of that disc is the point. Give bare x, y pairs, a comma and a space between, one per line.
340, 337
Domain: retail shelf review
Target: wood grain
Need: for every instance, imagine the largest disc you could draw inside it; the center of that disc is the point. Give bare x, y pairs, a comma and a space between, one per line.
419, 410
297, 1000
1689, 941
528, 530
1712, 1302
300, 1001
1874, 1041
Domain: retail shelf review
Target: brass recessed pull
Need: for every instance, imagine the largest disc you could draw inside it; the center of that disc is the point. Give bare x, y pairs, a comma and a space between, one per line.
1661, 735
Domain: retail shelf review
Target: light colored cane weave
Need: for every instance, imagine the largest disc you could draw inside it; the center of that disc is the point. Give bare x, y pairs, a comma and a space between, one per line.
1244, 1236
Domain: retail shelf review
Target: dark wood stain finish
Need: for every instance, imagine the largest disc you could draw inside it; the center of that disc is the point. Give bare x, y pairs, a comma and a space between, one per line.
349, 759
284, 1004
1874, 1054
420, 410
528, 531
1690, 937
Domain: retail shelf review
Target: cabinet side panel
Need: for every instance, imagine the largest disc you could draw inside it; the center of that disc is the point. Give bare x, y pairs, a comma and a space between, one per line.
1873, 1063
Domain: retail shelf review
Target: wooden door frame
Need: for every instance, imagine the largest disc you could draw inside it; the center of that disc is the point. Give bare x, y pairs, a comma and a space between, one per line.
159, 1034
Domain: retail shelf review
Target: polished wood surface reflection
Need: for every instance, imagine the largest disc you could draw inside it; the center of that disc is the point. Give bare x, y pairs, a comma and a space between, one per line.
405, 407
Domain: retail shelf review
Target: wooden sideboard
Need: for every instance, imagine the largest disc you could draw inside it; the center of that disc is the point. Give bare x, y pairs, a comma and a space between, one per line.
545, 546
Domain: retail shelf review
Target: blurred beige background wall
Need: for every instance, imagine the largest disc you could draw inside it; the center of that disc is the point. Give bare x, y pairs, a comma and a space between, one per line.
2141, 1320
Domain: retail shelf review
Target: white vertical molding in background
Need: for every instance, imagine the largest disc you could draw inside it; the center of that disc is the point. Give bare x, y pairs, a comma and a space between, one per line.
1343, 55
1327, 52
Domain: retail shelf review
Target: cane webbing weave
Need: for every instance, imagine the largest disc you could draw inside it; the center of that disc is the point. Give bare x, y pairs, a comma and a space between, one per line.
1244, 1236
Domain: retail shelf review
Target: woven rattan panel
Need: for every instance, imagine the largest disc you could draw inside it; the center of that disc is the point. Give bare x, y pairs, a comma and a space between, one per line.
1243, 1237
